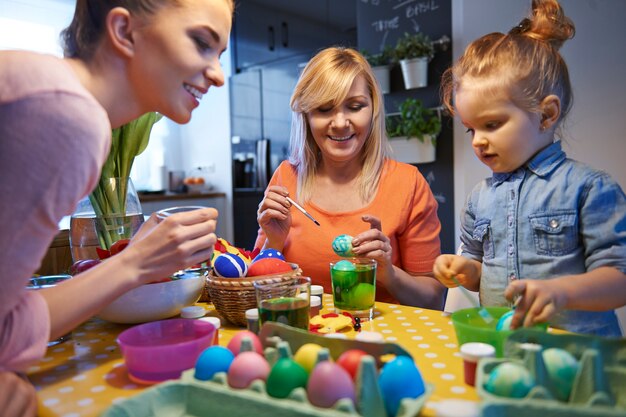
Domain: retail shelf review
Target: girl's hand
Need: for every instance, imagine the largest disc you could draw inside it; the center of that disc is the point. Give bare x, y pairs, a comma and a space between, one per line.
274, 216
448, 266
17, 396
373, 243
540, 300
162, 247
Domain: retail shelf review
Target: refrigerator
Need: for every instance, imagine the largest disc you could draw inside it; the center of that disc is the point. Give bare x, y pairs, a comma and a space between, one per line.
260, 126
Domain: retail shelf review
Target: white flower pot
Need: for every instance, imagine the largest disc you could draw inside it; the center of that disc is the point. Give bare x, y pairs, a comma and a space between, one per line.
382, 76
412, 150
415, 72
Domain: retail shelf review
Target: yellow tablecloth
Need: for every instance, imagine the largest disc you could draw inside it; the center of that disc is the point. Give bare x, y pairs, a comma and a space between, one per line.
85, 375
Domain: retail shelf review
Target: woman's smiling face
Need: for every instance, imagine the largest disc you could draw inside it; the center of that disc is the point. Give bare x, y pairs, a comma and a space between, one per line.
341, 131
179, 46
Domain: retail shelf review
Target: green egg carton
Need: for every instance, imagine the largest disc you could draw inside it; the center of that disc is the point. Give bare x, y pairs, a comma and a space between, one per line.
190, 397
599, 387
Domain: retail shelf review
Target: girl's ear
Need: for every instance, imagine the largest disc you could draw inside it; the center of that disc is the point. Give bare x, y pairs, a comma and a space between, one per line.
550, 112
119, 31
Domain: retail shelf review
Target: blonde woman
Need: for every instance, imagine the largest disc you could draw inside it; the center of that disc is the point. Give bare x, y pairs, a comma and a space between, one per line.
340, 172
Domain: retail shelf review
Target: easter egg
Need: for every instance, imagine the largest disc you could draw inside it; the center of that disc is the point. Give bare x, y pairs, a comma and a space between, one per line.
344, 274
361, 296
234, 345
505, 321
306, 356
269, 253
246, 367
342, 245
350, 361
285, 376
267, 266
228, 265
211, 361
562, 368
511, 380
328, 383
399, 379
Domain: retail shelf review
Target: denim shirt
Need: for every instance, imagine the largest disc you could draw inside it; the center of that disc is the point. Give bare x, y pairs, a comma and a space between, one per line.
552, 217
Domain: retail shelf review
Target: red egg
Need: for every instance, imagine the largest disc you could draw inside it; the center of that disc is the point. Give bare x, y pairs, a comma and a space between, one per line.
350, 361
235, 343
328, 384
267, 266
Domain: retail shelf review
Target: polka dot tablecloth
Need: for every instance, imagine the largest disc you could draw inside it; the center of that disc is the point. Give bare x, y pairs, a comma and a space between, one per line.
86, 374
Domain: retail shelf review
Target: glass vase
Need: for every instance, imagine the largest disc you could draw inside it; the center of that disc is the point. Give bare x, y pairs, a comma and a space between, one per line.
110, 213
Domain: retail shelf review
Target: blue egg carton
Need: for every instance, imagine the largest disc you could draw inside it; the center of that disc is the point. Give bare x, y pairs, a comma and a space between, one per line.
599, 388
191, 397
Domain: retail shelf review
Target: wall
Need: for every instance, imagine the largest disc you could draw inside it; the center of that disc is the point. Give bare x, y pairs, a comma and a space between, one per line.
597, 63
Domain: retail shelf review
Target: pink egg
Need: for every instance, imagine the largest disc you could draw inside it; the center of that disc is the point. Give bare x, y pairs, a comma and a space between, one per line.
235, 343
329, 383
245, 368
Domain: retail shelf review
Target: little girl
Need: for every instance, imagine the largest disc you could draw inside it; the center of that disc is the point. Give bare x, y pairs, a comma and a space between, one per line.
545, 227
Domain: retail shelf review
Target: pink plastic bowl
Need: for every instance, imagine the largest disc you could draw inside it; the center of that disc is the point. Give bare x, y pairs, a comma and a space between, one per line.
162, 350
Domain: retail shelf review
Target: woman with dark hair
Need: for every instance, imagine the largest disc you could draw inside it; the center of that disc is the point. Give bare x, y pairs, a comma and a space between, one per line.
123, 59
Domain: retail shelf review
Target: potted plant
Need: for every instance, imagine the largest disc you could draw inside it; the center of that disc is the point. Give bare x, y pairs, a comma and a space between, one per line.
381, 64
414, 51
413, 132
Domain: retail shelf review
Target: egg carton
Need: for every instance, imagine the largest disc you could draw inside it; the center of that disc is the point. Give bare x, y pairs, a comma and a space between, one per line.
599, 387
191, 397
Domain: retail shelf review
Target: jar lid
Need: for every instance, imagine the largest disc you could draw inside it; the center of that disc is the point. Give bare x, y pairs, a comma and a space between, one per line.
473, 351
215, 321
192, 312
367, 336
252, 314
315, 301
317, 290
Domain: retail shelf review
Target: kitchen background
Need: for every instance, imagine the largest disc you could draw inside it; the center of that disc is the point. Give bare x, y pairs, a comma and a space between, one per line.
272, 38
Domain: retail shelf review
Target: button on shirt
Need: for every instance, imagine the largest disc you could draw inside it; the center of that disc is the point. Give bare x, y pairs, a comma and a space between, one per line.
552, 217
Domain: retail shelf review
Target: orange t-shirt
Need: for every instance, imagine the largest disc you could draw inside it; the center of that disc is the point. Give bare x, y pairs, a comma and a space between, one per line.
405, 205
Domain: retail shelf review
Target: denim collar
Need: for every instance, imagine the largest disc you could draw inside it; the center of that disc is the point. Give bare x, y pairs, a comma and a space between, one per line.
541, 164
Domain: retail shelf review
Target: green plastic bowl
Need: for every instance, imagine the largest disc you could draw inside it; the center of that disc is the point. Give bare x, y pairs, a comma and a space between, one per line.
471, 327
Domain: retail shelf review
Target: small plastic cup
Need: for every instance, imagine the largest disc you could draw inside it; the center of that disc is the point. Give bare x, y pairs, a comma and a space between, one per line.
217, 323
252, 319
316, 305
471, 353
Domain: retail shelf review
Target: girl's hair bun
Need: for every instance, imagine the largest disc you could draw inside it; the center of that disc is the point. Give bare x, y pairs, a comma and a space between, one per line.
548, 23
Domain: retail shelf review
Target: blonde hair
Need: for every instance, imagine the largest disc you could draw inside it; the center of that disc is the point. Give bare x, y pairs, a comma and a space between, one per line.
525, 62
326, 80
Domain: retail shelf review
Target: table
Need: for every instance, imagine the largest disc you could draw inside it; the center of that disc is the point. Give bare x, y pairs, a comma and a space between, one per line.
85, 375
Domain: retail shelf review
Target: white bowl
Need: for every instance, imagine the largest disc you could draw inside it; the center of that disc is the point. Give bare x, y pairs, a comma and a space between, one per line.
156, 301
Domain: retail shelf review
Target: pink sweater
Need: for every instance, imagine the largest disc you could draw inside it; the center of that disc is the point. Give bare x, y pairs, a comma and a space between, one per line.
54, 139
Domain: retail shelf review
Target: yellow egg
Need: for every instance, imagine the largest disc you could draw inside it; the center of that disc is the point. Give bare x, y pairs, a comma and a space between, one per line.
306, 356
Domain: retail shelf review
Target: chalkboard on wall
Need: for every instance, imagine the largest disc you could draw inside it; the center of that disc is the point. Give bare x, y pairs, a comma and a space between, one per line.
383, 22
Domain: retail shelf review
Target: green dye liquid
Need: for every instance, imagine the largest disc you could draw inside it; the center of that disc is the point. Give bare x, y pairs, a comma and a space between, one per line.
293, 311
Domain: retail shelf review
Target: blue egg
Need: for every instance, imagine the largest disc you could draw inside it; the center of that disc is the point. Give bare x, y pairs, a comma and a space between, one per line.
213, 360
505, 321
342, 245
229, 265
269, 253
400, 379
510, 380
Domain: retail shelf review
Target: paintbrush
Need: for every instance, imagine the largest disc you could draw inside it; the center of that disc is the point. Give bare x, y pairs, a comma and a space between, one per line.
482, 311
296, 205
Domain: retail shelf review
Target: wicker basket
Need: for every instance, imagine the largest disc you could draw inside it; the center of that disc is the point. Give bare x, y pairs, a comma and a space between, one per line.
233, 296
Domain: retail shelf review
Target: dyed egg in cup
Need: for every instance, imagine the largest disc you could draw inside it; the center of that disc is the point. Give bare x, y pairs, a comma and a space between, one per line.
354, 286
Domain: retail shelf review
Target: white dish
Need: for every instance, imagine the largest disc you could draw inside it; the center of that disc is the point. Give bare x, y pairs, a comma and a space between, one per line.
154, 301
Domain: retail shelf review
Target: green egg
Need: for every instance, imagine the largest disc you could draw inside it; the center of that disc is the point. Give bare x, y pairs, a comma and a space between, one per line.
344, 274
562, 368
285, 376
510, 380
361, 296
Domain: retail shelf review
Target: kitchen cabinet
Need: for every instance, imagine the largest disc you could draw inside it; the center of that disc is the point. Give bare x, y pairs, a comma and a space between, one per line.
270, 30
